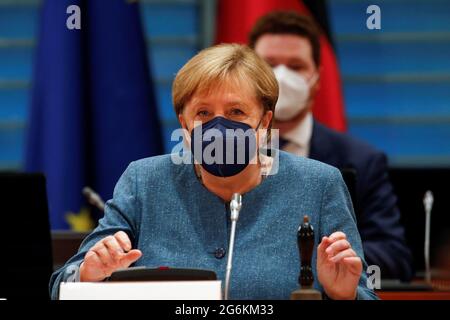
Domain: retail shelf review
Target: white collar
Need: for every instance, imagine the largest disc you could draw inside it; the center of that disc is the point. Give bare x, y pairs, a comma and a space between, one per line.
301, 134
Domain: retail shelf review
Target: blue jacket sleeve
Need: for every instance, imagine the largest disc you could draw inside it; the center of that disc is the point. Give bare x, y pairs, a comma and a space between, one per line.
337, 215
121, 214
379, 222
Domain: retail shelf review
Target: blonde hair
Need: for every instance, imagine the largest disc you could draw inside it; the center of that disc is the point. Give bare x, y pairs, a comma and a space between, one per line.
224, 63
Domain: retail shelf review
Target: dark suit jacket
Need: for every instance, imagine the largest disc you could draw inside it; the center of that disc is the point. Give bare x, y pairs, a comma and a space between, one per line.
375, 204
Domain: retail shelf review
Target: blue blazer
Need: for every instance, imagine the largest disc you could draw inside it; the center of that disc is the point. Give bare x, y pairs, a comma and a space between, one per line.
175, 221
377, 215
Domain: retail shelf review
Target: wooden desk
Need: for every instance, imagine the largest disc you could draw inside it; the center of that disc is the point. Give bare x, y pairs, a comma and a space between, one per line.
414, 295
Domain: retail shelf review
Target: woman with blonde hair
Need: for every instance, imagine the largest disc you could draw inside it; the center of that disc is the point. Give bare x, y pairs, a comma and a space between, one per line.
168, 213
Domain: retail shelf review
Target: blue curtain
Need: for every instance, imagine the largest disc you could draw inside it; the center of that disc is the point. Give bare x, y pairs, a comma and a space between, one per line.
93, 108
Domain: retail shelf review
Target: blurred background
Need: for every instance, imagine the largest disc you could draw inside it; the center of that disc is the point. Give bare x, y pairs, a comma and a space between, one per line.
79, 105
395, 81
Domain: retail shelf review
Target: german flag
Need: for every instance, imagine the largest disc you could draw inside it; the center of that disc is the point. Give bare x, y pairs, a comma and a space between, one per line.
237, 17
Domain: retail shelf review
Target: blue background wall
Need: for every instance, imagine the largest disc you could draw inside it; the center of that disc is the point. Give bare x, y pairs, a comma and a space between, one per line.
396, 80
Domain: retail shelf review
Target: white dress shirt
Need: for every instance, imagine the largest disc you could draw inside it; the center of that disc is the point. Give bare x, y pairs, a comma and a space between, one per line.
299, 138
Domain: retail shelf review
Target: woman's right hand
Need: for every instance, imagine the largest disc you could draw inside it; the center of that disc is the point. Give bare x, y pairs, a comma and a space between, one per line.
106, 256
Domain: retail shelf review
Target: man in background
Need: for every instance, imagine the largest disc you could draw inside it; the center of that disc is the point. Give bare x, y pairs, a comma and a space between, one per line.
289, 42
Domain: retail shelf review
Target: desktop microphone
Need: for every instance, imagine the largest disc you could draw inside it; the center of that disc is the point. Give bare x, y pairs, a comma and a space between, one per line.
428, 201
93, 198
235, 208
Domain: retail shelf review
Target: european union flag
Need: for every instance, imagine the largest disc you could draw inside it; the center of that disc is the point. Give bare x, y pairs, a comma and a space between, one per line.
93, 110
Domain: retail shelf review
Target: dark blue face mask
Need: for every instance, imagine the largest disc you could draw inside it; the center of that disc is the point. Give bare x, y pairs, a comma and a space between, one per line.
223, 147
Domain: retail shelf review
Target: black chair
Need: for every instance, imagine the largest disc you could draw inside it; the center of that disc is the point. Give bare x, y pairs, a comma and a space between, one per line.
26, 259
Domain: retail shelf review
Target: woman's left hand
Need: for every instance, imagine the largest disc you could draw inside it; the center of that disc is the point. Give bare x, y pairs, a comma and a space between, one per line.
338, 267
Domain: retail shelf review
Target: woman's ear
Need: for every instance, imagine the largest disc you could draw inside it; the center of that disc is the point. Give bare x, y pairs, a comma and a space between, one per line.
186, 133
264, 133
182, 121
266, 120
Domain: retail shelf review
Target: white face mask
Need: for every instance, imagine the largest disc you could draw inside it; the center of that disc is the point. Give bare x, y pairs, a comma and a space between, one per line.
294, 92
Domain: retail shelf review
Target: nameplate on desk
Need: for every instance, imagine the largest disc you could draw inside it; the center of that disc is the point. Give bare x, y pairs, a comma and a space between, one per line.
152, 290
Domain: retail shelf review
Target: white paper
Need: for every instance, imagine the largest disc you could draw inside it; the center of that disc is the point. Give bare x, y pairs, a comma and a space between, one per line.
152, 290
